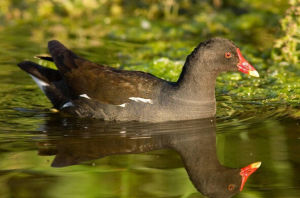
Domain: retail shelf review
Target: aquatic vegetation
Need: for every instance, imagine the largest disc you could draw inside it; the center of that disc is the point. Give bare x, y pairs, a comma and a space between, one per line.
257, 118
156, 36
287, 48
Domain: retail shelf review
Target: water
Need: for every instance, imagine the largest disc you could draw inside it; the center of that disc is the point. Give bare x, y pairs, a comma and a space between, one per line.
45, 155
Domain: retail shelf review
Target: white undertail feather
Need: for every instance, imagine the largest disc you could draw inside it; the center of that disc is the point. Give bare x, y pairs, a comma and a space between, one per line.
39, 82
137, 99
67, 104
85, 96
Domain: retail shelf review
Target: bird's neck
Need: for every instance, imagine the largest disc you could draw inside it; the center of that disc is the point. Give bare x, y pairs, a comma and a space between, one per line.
200, 159
195, 85
199, 151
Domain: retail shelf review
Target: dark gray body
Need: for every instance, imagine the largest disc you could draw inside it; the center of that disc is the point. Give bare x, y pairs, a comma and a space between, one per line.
161, 110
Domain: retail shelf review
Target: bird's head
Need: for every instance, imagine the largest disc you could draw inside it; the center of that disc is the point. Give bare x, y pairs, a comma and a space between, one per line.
218, 55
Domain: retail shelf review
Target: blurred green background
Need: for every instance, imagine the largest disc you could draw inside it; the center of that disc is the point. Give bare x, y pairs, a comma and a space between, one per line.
257, 118
156, 36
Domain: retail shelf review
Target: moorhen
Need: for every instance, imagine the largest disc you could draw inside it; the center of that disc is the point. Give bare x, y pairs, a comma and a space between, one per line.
87, 89
193, 140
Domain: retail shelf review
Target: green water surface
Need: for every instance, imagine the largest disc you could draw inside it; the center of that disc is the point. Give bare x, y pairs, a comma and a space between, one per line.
257, 119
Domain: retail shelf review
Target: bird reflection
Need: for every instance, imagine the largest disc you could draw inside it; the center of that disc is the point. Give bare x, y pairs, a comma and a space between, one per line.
77, 141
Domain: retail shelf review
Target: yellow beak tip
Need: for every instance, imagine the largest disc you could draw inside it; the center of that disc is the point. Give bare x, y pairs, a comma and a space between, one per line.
254, 73
256, 165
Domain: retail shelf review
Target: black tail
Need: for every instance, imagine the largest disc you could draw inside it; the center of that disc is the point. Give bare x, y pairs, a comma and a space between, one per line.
49, 80
63, 58
43, 73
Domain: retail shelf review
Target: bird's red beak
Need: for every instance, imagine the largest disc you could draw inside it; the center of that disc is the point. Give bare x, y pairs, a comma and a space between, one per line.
244, 66
247, 171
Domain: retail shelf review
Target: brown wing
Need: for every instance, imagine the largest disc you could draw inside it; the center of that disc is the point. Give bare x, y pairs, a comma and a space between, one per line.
102, 83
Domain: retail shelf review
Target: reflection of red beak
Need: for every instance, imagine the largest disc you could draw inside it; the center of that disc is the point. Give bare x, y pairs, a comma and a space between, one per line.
244, 66
247, 171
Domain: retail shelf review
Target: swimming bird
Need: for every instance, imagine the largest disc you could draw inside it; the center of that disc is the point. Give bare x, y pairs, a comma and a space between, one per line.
87, 89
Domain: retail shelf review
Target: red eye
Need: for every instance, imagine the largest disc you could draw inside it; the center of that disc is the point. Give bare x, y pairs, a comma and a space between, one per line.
231, 187
227, 55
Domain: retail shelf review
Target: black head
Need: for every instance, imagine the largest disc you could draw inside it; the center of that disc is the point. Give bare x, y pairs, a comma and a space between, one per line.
219, 55
223, 184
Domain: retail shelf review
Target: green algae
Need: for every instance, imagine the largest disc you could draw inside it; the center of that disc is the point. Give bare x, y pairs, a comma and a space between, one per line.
156, 38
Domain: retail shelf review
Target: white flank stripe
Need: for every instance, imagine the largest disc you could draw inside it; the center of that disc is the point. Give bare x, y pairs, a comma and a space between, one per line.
137, 99
39, 82
122, 105
85, 96
67, 104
